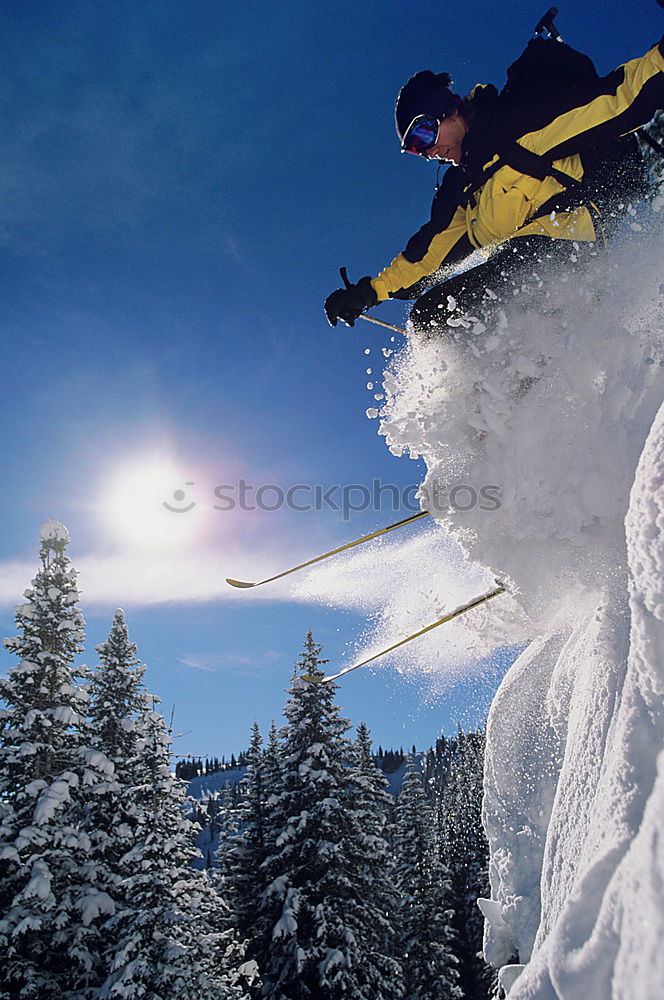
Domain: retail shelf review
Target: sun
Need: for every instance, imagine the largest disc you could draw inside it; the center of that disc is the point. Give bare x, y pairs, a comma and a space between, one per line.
148, 503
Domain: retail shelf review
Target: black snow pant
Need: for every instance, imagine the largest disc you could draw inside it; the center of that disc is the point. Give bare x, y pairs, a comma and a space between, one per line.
473, 291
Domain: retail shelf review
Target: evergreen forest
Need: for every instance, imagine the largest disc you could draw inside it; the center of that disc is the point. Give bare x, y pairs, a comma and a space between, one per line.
316, 881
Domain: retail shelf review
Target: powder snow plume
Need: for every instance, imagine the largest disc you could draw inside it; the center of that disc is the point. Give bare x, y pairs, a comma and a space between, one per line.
551, 405
558, 402
403, 585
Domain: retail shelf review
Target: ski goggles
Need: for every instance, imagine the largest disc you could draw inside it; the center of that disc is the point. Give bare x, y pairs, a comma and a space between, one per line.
420, 135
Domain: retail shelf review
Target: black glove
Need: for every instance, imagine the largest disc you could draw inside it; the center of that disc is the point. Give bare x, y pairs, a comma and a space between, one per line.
346, 304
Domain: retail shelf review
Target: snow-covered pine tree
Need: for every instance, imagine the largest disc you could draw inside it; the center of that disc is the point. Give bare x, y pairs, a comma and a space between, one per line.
369, 914
272, 763
227, 823
241, 859
169, 932
50, 899
227, 880
117, 702
117, 696
306, 949
465, 853
423, 915
240, 875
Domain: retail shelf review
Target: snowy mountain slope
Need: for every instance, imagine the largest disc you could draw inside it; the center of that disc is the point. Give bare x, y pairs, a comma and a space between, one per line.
206, 786
558, 404
598, 845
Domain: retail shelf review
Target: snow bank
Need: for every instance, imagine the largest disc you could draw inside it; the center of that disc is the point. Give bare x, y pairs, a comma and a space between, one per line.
594, 852
557, 405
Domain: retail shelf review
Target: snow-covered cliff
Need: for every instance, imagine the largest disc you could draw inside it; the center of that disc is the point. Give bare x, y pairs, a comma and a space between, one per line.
574, 804
558, 406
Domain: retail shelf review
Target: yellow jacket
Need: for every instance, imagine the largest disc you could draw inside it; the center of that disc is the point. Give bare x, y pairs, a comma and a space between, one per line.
486, 200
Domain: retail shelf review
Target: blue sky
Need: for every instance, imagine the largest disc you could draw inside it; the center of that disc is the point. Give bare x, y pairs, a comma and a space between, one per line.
179, 185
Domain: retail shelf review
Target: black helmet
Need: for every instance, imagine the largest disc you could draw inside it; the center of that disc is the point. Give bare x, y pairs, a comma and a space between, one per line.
426, 93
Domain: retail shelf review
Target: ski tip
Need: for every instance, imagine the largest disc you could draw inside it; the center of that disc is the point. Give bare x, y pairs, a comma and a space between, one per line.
239, 583
311, 679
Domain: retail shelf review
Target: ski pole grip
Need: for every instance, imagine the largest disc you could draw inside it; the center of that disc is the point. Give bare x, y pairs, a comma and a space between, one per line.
344, 277
546, 24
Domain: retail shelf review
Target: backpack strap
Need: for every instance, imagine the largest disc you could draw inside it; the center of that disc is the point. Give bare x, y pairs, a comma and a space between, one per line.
575, 193
540, 167
512, 154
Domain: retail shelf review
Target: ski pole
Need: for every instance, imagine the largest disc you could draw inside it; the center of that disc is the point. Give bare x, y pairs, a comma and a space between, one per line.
546, 24
380, 322
371, 319
476, 601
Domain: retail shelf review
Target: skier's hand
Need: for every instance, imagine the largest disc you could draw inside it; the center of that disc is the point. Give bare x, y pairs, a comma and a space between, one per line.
346, 304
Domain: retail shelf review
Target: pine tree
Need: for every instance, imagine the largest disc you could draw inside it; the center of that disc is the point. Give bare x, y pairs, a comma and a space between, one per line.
50, 897
169, 929
424, 917
227, 826
306, 948
272, 763
117, 701
168, 919
241, 861
368, 915
117, 704
465, 852
228, 884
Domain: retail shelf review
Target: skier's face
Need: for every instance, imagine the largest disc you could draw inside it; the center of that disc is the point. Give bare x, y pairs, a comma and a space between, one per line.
448, 142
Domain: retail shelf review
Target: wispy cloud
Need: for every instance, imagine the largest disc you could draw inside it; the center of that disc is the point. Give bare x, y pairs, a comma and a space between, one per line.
15, 576
216, 662
177, 575
208, 664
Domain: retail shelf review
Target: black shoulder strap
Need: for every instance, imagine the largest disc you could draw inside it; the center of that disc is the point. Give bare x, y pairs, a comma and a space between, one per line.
524, 161
574, 194
538, 166
512, 154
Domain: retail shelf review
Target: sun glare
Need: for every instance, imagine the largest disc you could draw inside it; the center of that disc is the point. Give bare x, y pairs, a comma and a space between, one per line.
148, 504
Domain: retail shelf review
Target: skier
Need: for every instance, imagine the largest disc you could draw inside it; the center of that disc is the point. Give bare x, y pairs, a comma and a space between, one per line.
550, 158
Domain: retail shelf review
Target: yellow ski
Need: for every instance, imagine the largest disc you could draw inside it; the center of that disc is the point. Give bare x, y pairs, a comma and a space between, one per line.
333, 552
500, 589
